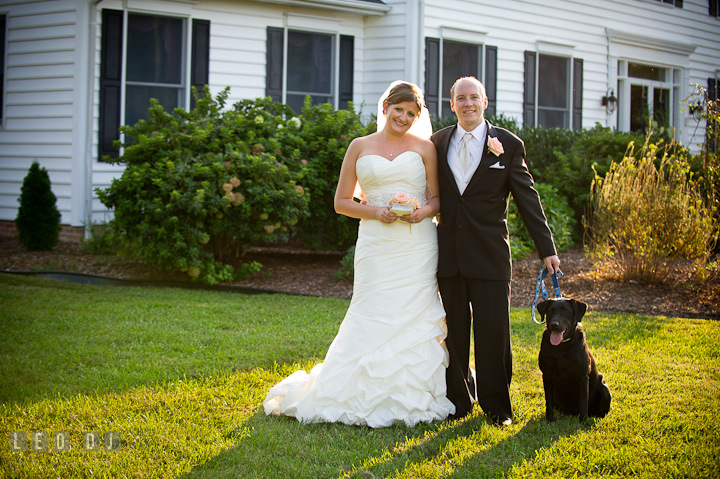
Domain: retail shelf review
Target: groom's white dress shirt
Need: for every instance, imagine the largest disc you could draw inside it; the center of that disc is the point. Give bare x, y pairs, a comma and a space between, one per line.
476, 145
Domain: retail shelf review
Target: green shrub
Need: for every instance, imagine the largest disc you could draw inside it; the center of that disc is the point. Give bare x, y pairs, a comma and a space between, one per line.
559, 216
201, 187
646, 217
326, 134
38, 219
347, 264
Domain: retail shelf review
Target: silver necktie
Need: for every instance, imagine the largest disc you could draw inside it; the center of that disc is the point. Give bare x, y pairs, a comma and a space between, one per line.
464, 154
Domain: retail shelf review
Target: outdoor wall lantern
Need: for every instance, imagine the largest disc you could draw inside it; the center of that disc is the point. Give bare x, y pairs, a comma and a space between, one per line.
610, 101
696, 110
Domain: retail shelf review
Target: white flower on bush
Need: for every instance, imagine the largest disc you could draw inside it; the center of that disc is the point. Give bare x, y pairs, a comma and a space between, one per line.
294, 121
194, 272
259, 120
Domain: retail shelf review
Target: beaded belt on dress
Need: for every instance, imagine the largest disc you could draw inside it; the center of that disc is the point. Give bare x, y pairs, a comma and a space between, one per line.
384, 200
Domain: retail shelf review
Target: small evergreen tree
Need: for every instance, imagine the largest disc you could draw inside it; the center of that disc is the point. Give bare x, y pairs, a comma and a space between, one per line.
38, 219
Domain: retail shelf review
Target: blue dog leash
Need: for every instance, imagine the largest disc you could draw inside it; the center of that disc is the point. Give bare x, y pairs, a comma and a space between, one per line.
540, 286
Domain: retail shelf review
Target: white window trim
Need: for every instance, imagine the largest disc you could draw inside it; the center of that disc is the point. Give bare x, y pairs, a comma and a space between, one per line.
571, 79
624, 86
461, 36
313, 24
186, 55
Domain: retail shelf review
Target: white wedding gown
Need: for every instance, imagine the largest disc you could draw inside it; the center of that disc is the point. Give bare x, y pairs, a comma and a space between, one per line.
387, 363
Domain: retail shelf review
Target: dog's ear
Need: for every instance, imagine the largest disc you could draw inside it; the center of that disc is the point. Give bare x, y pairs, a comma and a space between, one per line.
579, 307
542, 307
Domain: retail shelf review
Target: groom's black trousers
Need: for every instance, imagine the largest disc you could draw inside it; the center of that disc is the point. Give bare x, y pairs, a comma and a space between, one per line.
490, 322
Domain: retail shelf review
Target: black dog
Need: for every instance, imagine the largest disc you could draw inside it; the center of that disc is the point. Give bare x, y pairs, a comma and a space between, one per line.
570, 376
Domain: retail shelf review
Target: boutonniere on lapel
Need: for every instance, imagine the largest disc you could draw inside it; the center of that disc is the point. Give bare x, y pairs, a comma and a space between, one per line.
494, 146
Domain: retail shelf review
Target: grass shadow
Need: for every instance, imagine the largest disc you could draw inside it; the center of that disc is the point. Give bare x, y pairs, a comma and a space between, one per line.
337, 450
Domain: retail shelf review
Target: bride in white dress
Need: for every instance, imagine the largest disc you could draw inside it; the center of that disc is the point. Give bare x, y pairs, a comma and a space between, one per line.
387, 363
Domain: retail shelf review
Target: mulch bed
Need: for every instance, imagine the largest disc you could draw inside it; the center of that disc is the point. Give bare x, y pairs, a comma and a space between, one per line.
295, 270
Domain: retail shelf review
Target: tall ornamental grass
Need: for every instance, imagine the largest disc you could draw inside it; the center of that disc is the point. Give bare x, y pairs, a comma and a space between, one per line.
648, 214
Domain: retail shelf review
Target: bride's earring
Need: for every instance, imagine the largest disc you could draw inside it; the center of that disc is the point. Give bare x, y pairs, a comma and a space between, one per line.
384, 112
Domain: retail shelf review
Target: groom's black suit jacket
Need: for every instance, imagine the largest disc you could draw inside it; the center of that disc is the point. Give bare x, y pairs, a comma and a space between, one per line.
473, 231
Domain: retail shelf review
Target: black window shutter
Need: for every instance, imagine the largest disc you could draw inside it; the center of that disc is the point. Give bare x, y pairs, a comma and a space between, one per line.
679, 3
432, 74
491, 79
347, 68
714, 8
200, 68
274, 72
110, 82
577, 94
529, 101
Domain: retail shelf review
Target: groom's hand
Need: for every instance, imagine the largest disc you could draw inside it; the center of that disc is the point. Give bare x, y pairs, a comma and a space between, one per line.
552, 263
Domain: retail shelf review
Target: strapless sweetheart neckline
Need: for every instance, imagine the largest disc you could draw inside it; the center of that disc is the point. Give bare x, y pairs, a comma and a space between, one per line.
390, 160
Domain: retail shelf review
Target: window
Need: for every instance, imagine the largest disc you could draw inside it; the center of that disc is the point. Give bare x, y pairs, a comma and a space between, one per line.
309, 68
553, 105
154, 66
553, 91
647, 93
714, 7
448, 60
677, 3
2, 69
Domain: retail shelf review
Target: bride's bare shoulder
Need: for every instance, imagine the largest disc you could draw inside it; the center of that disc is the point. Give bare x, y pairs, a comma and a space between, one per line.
365, 145
423, 146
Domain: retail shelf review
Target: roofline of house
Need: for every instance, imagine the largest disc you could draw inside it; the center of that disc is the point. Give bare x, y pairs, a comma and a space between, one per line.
350, 6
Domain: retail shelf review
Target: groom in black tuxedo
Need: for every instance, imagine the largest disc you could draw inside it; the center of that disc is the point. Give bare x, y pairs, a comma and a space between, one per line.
479, 165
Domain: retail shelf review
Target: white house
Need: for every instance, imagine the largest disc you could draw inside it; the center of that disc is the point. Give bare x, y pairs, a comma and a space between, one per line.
73, 71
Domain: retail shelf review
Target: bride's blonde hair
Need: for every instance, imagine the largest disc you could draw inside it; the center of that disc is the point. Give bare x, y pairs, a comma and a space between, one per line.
406, 92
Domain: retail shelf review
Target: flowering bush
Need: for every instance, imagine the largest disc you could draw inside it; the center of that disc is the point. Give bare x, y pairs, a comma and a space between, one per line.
200, 187
325, 135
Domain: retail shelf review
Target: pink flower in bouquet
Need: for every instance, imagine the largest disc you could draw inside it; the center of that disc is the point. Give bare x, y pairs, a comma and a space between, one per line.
235, 182
400, 198
494, 146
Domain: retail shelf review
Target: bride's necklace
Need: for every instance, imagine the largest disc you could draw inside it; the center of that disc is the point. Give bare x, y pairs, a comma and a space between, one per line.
396, 146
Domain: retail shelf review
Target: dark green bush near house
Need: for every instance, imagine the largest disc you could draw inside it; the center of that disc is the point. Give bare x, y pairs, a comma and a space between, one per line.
559, 216
326, 134
200, 187
347, 266
38, 219
571, 166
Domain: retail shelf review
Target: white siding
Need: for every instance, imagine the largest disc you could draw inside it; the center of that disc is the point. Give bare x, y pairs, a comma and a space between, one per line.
516, 26
52, 82
39, 107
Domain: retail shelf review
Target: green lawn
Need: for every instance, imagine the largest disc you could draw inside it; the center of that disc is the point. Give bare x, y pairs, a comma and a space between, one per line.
182, 375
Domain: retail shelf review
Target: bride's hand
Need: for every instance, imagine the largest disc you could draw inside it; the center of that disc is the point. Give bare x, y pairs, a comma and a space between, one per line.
385, 216
418, 215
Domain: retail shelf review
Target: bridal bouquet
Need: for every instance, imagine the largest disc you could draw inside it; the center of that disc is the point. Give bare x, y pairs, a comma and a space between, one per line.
402, 204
